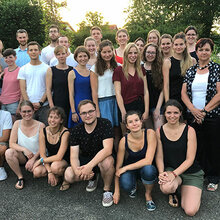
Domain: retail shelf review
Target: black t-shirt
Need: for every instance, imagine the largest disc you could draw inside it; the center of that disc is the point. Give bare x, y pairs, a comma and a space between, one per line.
91, 144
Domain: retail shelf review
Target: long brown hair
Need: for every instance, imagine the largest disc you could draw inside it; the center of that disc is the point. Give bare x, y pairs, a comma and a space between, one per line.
156, 66
101, 65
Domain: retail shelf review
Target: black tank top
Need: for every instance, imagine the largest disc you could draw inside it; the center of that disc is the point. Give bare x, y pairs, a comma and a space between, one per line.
174, 152
133, 157
52, 149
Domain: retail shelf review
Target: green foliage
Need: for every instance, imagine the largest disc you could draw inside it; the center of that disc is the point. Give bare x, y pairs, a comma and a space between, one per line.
20, 14
172, 16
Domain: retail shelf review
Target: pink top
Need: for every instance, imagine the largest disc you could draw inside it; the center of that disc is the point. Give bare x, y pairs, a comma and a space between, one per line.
10, 88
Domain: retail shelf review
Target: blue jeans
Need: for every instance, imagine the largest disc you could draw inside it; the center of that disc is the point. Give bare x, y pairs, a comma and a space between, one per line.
147, 174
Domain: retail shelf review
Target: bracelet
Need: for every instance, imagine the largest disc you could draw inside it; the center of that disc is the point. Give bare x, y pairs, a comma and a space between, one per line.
41, 103
42, 160
74, 113
203, 110
49, 172
174, 173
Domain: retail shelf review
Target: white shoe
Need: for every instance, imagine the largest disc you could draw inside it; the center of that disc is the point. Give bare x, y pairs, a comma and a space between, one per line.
3, 174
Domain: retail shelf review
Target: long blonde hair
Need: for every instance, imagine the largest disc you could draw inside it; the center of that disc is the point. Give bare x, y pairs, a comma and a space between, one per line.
186, 62
137, 64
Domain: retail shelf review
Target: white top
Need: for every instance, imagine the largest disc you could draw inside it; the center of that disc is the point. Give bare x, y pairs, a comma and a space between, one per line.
70, 61
30, 143
5, 121
199, 88
35, 77
47, 54
105, 84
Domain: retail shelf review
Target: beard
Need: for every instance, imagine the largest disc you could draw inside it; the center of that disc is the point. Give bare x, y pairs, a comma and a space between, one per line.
91, 123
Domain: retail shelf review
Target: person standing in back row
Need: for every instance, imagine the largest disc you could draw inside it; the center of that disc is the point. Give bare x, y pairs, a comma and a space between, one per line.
32, 79
48, 52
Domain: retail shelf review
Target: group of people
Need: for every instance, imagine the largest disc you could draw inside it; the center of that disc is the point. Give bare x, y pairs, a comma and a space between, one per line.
154, 104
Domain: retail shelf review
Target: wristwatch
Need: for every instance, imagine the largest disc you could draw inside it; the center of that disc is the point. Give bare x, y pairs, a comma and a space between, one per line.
41, 103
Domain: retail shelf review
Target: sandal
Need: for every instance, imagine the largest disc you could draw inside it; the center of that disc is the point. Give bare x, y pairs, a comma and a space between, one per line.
65, 186
212, 187
173, 200
20, 183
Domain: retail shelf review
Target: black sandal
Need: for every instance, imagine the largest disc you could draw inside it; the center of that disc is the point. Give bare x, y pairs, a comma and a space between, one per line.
20, 183
173, 200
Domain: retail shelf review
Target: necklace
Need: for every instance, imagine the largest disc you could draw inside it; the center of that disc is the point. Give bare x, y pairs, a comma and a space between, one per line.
202, 68
52, 134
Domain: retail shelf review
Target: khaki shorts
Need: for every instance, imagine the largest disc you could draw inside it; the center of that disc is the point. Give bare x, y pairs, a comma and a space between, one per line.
191, 179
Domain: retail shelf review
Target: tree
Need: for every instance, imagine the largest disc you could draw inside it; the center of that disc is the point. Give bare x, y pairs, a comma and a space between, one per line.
20, 14
172, 16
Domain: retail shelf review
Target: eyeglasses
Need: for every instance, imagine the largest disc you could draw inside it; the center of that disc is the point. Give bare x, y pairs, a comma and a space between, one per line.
150, 53
90, 112
26, 111
21, 31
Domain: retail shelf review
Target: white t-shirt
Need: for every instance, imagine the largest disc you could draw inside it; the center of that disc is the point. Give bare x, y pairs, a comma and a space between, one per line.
199, 88
105, 84
35, 77
5, 121
70, 61
47, 54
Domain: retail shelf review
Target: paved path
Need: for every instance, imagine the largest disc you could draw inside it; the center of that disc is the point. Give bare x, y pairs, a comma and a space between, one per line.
40, 201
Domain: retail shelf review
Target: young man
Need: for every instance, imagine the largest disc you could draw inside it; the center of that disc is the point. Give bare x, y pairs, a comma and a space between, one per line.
11, 94
21, 51
5, 130
96, 33
91, 149
32, 78
48, 52
70, 61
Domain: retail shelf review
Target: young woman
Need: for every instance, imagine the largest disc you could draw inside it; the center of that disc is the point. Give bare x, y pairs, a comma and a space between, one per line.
57, 81
174, 69
90, 45
140, 42
54, 149
11, 94
134, 160
79, 84
122, 38
166, 45
103, 91
131, 85
201, 95
175, 158
153, 66
24, 142
153, 37
191, 38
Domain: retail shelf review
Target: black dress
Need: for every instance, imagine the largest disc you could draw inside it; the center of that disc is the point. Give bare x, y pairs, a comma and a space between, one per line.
60, 92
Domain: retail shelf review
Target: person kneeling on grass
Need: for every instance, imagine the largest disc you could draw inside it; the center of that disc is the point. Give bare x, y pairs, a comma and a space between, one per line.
176, 162
54, 148
91, 144
24, 142
134, 160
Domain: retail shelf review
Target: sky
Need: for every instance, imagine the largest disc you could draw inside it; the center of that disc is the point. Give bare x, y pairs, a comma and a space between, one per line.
112, 11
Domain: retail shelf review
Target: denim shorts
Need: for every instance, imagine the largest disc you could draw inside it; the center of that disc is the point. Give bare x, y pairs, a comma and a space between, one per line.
10, 107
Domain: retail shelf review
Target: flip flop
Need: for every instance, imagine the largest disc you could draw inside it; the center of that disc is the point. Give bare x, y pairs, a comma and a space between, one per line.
20, 183
64, 186
173, 200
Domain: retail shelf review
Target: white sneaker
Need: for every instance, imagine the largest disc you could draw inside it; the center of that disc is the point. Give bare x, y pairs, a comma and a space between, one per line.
3, 174
92, 184
107, 199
